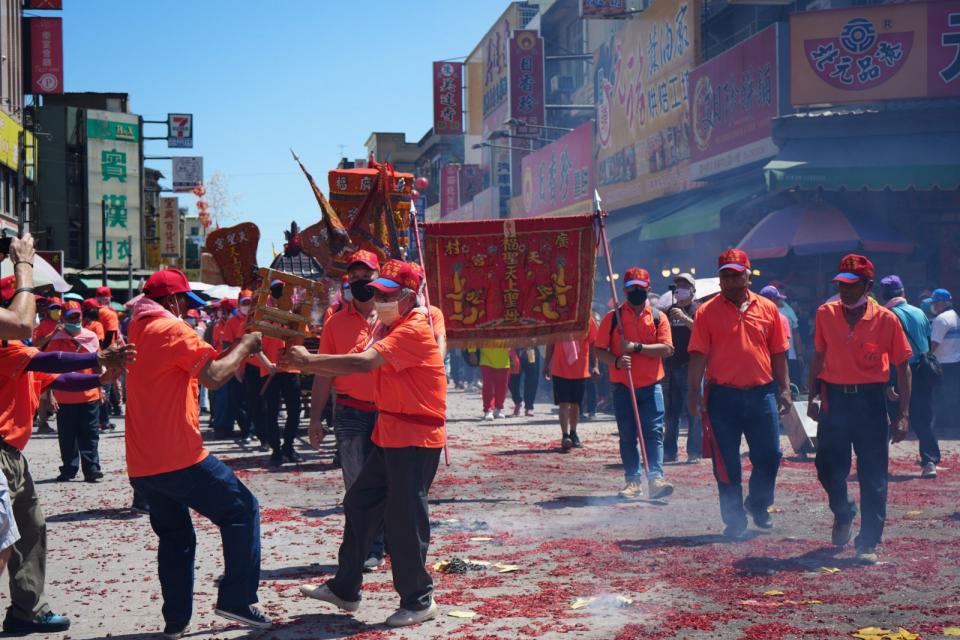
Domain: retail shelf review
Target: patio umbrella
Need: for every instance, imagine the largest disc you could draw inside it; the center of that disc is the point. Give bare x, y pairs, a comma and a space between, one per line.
221, 291
816, 229
43, 274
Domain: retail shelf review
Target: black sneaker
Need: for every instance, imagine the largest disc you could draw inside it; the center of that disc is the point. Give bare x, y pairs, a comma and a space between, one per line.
94, 476
64, 478
576, 440
249, 615
373, 563
735, 532
276, 459
566, 444
841, 533
762, 519
291, 456
47, 623
174, 631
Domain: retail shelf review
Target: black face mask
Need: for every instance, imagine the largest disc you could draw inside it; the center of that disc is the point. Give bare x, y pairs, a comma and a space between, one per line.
361, 291
637, 297
276, 292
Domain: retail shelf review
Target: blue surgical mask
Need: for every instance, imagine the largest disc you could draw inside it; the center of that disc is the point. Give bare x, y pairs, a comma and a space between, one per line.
73, 328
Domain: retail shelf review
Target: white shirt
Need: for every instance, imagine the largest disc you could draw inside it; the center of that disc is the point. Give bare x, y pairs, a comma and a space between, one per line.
945, 331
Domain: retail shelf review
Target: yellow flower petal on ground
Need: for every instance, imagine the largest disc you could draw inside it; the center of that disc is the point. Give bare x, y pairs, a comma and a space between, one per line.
914, 513
481, 539
953, 632
871, 633
506, 568
903, 634
581, 603
773, 593
461, 614
829, 570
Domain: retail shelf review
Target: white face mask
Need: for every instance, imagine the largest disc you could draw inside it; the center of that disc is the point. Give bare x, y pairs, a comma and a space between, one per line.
684, 295
347, 295
243, 309
388, 312
856, 305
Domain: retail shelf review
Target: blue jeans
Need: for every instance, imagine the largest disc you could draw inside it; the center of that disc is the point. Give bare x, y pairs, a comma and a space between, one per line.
353, 429
79, 438
650, 404
857, 421
750, 413
676, 409
209, 488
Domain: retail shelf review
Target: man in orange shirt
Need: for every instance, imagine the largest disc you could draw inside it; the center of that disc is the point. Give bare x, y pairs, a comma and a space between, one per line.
570, 364
79, 412
245, 387
111, 333
639, 346
168, 465
285, 384
224, 410
739, 340
410, 390
24, 373
856, 343
350, 331
50, 324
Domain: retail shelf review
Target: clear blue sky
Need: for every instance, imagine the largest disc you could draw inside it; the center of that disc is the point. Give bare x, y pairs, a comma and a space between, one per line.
261, 77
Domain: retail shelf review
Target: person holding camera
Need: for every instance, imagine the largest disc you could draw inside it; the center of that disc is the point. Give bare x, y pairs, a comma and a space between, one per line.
681, 315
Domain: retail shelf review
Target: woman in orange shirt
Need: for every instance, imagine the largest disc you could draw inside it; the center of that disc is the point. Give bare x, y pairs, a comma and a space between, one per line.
570, 364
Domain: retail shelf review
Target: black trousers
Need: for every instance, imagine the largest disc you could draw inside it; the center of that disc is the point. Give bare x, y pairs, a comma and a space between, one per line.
523, 386
287, 386
391, 489
921, 418
78, 437
255, 403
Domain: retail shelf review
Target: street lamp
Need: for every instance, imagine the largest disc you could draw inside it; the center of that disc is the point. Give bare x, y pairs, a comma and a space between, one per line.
516, 122
481, 145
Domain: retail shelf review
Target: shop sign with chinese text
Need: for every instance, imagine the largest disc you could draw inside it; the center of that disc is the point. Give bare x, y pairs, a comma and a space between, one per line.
113, 181
733, 100
885, 52
557, 179
641, 86
447, 98
46, 55
169, 228
526, 82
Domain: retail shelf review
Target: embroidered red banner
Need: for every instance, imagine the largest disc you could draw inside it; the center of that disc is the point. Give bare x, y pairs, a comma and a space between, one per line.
512, 282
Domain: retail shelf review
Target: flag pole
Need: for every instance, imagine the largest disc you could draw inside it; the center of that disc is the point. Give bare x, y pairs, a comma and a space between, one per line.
602, 232
426, 293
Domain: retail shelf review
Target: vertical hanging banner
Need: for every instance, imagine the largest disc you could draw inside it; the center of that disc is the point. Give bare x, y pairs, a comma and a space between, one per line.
447, 98
169, 228
512, 282
526, 82
449, 188
113, 178
46, 55
558, 179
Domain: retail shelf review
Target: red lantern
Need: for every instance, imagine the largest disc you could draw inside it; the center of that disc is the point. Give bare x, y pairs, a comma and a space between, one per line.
199, 191
414, 194
421, 183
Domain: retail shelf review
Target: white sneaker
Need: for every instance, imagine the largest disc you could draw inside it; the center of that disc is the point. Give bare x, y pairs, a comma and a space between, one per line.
404, 617
498, 414
488, 416
929, 470
322, 592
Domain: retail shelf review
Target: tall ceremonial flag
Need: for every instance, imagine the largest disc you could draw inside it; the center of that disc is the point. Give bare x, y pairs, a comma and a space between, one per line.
327, 239
514, 282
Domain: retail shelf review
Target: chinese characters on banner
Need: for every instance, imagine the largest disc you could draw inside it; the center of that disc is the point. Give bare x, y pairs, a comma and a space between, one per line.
526, 82
558, 179
886, 52
449, 188
733, 99
602, 8
46, 55
234, 249
169, 228
641, 87
447, 98
512, 282
113, 179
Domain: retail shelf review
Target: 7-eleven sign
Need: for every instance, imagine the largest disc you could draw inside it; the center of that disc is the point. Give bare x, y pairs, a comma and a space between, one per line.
180, 130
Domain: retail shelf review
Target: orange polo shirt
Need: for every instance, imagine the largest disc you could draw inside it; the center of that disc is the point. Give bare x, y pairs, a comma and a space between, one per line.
110, 321
44, 328
637, 328
272, 348
347, 331
97, 328
560, 365
411, 388
72, 397
738, 344
439, 325
233, 331
163, 416
19, 392
861, 356
218, 329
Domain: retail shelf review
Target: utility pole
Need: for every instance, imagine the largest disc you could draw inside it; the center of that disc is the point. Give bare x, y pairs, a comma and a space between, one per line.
103, 238
21, 182
129, 267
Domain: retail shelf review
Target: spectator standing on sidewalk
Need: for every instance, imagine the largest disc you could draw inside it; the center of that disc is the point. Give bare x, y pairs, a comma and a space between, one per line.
168, 464
945, 344
639, 346
916, 326
739, 340
681, 315
856, 343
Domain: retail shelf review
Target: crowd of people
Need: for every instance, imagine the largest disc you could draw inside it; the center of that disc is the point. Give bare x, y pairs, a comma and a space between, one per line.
727, 366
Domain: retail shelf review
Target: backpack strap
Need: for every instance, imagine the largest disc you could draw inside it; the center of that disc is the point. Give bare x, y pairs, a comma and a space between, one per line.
655, 312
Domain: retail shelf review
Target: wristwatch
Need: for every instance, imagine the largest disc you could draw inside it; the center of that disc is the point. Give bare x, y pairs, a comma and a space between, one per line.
637, 347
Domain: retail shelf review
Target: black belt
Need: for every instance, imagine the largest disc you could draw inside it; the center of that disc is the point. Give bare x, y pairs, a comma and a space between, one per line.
852, 389
9, 448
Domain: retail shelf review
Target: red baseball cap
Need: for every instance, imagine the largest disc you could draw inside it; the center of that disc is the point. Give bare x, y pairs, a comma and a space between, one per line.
636, 276
169, 281
91, 303
854, 268
367, 258
104, 291
736, 259
228, 304
397, 274
245, 294
71, 307
54, 302
193, 313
